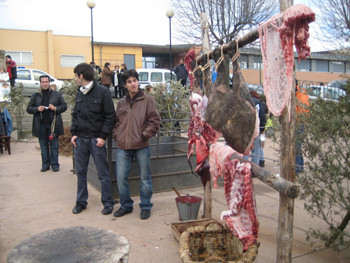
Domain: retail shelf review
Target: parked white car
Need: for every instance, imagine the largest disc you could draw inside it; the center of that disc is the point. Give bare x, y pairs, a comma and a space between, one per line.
325, 92
154, 76
29, 78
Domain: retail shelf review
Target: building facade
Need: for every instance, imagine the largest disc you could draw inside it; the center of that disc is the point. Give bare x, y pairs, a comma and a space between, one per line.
58, 55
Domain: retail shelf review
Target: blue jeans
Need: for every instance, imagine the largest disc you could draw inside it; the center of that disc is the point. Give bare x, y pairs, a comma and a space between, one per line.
49, 149
299, 160
123, 163
262, 158
85, 147
256, 151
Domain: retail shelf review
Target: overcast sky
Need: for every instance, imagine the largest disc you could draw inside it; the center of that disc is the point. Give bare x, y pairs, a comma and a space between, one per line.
123, 21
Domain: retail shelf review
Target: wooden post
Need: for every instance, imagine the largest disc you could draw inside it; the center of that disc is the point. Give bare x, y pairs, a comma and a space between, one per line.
205, 49
286, 206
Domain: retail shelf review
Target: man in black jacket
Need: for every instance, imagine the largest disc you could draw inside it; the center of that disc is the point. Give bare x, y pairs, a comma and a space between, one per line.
181, 72
93, 119
47, 105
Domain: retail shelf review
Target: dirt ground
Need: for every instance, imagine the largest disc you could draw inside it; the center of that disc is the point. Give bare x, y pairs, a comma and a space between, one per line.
33, 202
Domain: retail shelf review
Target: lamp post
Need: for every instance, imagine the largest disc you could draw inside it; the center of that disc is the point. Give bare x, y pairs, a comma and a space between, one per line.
91, 4
170, 14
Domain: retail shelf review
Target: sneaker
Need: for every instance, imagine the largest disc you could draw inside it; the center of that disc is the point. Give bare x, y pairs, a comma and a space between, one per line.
121, 212
145, 214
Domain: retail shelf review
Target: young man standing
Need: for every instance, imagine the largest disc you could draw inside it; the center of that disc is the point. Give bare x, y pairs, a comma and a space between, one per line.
93, 119
47, 105
137, 121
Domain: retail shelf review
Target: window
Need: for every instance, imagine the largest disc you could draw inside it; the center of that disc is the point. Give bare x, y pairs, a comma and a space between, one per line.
257, 62
243, 62
23, 74
322, 66
70, 61
143, 76
37, 74
21, 57
156, 77
167, 76
303, 65
149, 62
338, 66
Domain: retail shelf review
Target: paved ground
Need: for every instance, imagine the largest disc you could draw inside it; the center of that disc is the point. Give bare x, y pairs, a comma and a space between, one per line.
33, 202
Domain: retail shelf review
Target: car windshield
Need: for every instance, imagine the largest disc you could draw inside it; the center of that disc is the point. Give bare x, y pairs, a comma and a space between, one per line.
37, 74
337, 83
23, 74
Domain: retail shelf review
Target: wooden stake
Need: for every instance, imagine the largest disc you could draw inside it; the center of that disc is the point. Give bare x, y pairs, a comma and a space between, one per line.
286, 207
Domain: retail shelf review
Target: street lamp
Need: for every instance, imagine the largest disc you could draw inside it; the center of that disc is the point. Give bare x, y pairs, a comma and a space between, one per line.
170, 14
91, 4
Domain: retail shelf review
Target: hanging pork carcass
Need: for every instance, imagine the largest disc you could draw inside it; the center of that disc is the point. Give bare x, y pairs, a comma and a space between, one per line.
232, 111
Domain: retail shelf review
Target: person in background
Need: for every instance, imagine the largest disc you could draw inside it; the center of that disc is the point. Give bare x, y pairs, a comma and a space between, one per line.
11, 69
46, 105
181, 72
53, 86
93, 119
137, 121
302, 110
4, 75
254, 94
255, 153
115, 82
97, 71
214, 73
122, 91
107, 75
149, 88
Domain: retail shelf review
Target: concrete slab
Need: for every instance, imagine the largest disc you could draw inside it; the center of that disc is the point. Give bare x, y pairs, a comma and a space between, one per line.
32, 202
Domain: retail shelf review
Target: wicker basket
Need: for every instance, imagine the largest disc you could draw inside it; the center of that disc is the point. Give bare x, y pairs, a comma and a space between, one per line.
214, 243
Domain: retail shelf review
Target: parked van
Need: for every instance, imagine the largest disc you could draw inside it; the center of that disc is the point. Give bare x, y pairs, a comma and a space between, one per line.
154, 76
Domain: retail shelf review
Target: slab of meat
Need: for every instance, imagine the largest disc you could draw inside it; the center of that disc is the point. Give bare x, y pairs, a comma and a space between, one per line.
205, 136
193, 76
232, 112
219, 153
239, 193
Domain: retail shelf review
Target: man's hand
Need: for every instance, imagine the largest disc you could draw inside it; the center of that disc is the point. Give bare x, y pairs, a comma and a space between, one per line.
73, 140
100, 142
41, 108
51, 107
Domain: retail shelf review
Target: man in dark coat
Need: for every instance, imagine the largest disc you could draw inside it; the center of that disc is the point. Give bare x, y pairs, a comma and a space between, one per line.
47, 105
181, 72
93, 119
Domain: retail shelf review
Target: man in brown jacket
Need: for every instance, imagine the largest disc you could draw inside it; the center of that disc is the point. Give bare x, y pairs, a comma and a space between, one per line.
137, 121
107, 75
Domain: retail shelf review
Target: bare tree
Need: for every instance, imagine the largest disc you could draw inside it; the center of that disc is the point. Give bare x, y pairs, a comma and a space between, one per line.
227, 19
334, 21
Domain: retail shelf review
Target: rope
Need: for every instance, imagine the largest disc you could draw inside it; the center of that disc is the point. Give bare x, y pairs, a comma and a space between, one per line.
196, 68
222, 58
237, 54
202, 68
